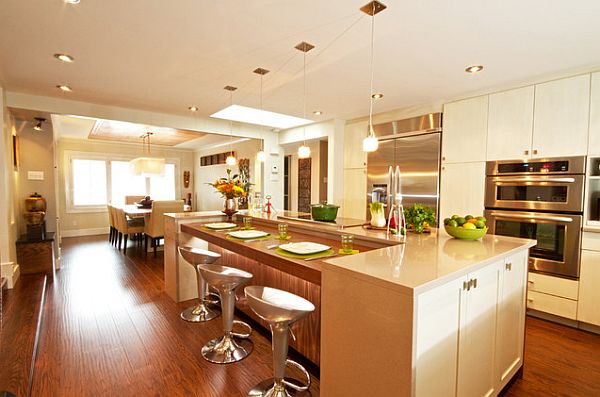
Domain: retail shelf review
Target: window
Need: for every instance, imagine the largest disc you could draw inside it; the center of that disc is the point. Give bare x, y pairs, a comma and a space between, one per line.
93, 180
89, 182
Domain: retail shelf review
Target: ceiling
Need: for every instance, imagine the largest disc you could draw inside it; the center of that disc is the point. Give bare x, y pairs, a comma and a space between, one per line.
168, 55
119, 131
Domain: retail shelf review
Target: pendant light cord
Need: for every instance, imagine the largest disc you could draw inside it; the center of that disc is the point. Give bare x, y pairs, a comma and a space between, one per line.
262, 141
372, 67
231, 126
304, 102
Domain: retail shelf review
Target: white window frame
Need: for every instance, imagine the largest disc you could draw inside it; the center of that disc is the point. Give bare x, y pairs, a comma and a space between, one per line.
71, 155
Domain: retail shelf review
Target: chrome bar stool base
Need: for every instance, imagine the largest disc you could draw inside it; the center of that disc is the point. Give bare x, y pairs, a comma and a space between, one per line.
227, 349
200, 313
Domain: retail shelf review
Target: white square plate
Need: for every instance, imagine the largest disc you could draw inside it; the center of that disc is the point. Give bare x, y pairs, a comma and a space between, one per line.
248, 234
304, 248
220, 225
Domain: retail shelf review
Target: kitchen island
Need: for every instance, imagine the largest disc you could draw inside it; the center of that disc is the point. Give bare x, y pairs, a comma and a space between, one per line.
433, 316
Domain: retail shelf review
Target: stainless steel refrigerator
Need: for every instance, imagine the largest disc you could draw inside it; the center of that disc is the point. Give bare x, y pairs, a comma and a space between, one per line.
413, 145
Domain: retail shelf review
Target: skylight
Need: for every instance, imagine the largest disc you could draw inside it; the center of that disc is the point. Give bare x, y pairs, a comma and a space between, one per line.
260, 117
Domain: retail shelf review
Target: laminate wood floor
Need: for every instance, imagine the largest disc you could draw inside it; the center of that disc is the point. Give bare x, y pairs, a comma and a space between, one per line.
109, 329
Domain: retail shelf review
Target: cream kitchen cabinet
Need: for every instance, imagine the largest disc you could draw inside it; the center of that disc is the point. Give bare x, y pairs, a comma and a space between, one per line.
465, 130
462, 189
560, 117
588, 308
510, 327
510, 124
594, 141
355, 194
354, 157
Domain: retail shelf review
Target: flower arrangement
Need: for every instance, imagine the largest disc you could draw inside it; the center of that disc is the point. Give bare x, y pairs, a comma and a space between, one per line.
231, 187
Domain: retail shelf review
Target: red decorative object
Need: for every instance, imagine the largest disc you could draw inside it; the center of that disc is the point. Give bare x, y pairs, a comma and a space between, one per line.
268, 205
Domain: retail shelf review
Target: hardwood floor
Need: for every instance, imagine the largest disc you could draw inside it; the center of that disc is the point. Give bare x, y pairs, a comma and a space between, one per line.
108, 329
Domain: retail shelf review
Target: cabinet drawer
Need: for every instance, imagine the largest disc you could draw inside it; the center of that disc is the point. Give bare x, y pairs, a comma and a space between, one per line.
557, 286
552, 304
590, 241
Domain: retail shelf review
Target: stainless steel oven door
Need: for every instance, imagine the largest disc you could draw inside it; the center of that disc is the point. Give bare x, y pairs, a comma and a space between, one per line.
558, 238
546, 193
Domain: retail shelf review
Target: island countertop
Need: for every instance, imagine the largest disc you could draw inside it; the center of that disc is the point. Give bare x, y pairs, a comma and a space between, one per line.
427, 260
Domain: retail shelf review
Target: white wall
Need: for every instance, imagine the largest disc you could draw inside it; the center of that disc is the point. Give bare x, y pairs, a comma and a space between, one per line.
206, 197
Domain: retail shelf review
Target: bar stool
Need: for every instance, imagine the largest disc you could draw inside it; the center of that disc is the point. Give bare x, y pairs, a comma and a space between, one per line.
206, 309
280, 309
226, 349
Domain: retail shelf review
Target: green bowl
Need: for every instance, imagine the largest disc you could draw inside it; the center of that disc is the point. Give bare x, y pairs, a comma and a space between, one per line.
465, 234
324, 212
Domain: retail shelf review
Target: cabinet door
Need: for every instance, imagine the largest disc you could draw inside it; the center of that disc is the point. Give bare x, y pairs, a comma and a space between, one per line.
354, 157
477, 334
560, 117
510, 329
436, 350
589, 288
465, 130
594, 141
510, 124
462, 188
355, 194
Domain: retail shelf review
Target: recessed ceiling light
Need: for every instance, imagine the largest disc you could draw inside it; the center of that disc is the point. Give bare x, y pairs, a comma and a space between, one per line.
193, 108
250, 115
64, 87
377, 96
72, 1
64, 58
474, 69
317, 113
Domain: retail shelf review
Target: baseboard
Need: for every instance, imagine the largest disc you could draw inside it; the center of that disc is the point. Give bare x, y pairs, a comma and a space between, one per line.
11, 272
84, 232
564, 321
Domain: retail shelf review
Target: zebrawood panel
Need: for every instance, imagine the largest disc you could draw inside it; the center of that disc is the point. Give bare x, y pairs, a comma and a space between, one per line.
307, 330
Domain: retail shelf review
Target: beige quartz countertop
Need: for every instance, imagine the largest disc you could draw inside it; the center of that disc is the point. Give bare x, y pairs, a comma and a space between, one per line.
428, 260
196, 214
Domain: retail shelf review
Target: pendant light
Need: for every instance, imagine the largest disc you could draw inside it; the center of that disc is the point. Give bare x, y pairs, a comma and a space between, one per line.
370, 143
147, 165
230, 160
304, 151
260, 156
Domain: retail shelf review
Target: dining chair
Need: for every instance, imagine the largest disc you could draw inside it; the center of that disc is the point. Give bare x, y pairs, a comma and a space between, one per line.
126, 227
133, 199
155, 224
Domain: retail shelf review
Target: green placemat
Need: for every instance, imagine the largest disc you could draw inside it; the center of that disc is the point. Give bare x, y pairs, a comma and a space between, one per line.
281, 252
341, 252
229, 237
289, 236
231, 229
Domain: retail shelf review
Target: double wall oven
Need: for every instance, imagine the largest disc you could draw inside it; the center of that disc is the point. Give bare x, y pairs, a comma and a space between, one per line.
540, 199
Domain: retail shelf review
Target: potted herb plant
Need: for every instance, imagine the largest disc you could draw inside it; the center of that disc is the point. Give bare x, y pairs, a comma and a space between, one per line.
419, 217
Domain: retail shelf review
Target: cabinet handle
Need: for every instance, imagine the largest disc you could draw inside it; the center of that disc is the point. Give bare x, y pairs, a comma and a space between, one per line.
529, 300
465, 285
474, 283
444, 158
530, 281
443, 168
509, 266
526, 152
534, 151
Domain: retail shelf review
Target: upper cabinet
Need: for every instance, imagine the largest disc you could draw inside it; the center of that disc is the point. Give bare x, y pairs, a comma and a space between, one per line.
465, 130
594, 142
510, 124
560, 117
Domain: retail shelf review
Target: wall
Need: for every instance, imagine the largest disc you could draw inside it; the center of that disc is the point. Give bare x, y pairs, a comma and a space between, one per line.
8, 202
35, 156
206, 198
97, 222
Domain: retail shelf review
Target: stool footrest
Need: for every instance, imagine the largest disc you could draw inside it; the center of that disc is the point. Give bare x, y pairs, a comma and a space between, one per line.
293, 386
239, 335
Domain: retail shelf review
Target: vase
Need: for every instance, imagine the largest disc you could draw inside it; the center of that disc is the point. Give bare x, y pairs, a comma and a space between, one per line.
230, 207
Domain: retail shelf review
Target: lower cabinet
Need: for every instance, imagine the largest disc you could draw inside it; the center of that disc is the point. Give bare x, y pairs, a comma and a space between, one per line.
589, 288
470, 331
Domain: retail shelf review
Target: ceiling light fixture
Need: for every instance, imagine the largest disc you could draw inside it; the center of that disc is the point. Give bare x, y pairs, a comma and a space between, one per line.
317, 113
64, 87
72, 1
230, 160
377, 96
245, 114
146, 165
370, 143
474, 69
64, 58
260, 156
304, 151
37, 124
193, 108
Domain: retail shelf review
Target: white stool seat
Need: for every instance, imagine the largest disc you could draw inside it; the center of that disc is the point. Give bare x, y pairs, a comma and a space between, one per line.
205, 310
